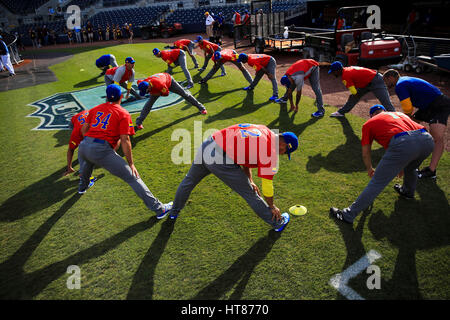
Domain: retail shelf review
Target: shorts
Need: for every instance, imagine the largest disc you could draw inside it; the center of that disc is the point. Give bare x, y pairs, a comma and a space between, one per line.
437, 112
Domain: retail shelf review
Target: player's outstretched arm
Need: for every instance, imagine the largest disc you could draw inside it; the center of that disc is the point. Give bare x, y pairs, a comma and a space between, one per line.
69, 170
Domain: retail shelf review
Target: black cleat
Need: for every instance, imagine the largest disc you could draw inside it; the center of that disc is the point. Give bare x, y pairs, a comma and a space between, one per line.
399, 189
338, 215
426, 173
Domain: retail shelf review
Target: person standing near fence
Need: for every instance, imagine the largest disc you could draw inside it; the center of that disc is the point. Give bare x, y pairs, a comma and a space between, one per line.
236, 24
4, 55
209, 25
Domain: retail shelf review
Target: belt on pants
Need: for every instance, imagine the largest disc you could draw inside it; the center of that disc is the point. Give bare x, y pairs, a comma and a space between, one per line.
99, 141
408, 132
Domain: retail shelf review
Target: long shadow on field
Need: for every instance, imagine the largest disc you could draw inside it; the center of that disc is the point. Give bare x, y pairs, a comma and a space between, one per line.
38, 196
143, 282
413, 226
234, 111
238, 274
285, 122
16, 284
346, 158
62, 137
140, 137
90, 82
205, 96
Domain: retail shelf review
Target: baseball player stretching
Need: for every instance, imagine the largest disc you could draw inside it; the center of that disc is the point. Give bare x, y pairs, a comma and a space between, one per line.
187, 46
208, 50
230, 154
161, 84
122, 74
407, 144
360, 81
105, 125
173, 58
295, 77
263, 64
105, 62
4, 56
434, 108
220, 58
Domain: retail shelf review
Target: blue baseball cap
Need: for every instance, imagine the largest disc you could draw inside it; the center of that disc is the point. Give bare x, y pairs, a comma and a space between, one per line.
243, 57
285, 81
130, 60
113, 92
217, 55
143, 86
376, 108
199, 38
292, 142
156, 51
335, 66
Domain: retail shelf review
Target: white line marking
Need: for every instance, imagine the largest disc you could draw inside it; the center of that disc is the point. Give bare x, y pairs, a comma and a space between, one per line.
340, 280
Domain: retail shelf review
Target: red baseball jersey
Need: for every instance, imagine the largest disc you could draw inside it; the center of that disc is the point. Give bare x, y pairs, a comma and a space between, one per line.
77, 122
227, 55
385, 125
182, 43
358, 77
304, 65
126, 76
257, 61
108, 121
252, 146
238, 18
160, 84
170, 56
208, 47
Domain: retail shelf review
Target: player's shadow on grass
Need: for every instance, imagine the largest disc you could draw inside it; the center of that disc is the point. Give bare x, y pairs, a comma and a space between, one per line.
143, 281
346, 158
62, 137
142, 136
245, 107
239, 273
38, 196
90, 82
413, 226
285, 121
16, 284
205, 96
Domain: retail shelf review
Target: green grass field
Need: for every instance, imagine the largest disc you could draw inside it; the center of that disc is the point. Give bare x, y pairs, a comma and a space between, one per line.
217, 248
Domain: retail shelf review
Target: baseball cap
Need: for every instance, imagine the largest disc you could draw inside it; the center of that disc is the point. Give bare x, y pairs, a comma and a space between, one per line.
292, 142
113, 92
143, 86
243, 57
199, 38
285, 81
206, 13
217, 55
376, 108
129, 60
337, 65
156, 51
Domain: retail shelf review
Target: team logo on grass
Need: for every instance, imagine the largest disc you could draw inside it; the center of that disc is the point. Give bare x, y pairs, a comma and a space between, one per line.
56, 111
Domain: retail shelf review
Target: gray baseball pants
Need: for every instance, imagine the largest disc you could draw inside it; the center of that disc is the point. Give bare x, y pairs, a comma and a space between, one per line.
272, 68
405, 153
175, 87
225, 169
220, 64
98, 152
208, 57
109, 81
378, 88
190, 48
181, 61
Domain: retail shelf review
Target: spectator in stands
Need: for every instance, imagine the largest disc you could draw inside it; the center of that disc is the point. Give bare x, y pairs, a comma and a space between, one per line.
33, 37
40, 37
114, 32
236, 24
108, 28
246, 24
118, 33
90, 32
220, 26
69, 35
125, 31
339, 23
77, 31
130, 32
209, 24
411, 20
84, 32
99, 33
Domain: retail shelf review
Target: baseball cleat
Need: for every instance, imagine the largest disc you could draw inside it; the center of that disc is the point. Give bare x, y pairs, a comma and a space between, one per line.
247, 88
286, 219
204, 111
223, 74
337, 114
426, 173
400, 191
273, 98
138, 127
166, 209
281, 100
318, 114
338, 215
90, 185
173, 216
189, 86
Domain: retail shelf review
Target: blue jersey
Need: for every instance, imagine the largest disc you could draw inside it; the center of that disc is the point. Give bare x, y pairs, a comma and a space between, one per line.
4, 48
419, 91
103, 61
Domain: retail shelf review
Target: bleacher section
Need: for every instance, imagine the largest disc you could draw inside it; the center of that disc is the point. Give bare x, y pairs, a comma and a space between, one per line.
22, 7
83, 4
116, 3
